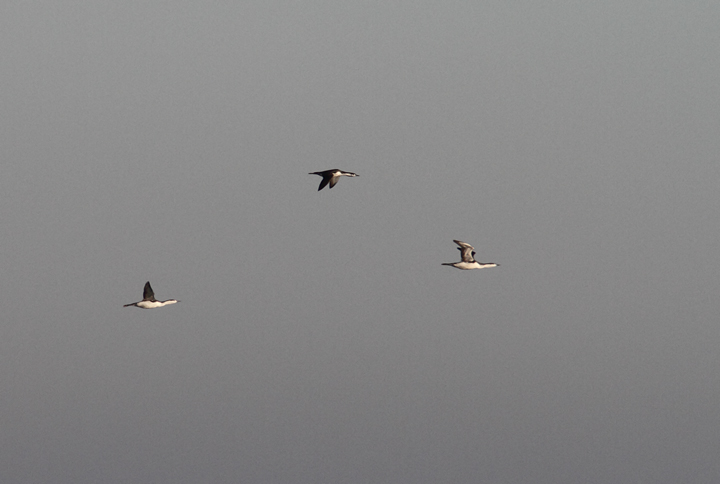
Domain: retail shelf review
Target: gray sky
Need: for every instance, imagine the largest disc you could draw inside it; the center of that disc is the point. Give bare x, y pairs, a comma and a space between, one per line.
318, 338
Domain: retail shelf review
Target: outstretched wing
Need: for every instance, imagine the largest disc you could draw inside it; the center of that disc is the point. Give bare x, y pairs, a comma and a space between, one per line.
148, 293
467, 251
326, 179
333, 180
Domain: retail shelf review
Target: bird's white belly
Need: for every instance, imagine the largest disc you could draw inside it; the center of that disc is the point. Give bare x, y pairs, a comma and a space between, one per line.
150, 304
473, 265
467, 265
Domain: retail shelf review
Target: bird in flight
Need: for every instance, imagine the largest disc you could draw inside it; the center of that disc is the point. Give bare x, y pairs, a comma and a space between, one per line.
468, 258
149, 301
331, 177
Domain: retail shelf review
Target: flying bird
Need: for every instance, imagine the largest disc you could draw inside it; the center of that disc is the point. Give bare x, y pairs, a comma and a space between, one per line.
149, 301
468, 258
331, 177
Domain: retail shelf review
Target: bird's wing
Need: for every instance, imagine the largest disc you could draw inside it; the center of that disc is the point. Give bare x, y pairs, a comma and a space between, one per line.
148, 293
324, 182
466, 250
467, 254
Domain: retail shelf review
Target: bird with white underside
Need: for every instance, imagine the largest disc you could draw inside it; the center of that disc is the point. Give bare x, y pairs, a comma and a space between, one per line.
468, 258
149, 301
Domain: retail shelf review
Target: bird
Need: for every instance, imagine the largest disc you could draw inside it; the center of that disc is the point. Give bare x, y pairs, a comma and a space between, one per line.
149, 301
468, 260
331, 177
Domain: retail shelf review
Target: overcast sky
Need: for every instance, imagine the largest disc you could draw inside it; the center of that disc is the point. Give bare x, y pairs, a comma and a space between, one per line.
318, 338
